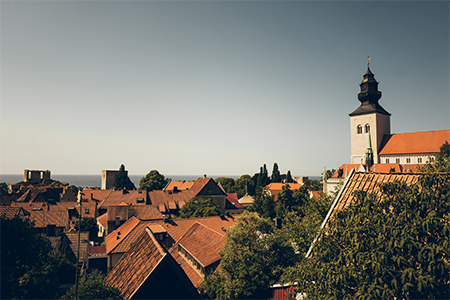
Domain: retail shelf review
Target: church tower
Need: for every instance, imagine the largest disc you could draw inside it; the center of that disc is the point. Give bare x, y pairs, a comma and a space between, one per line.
370, 118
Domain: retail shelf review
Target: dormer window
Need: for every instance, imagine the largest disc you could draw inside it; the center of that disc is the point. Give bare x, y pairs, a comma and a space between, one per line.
367, 128
359, 129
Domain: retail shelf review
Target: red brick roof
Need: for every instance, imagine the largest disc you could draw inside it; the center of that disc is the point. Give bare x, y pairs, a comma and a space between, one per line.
414, 142
136, 265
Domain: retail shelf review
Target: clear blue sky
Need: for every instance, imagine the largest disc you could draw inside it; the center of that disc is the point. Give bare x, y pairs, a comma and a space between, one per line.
194, 87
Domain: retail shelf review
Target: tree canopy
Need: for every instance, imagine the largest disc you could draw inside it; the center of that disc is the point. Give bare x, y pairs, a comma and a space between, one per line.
91, 286
264, 204
153, 181
392, 246
122, 181
244, 185
276, 176
253, 258
199, 207
441, 162
289, 178
29, 269
227, 183
89, 224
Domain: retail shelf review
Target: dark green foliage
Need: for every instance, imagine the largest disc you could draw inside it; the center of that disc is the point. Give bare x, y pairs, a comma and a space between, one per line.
91, 286
29, 270
441, 162
276, 176
263, 177
264, 204
392, 246
253, 258
289, 200
328, 173
75, 189
122, 181
89, 224
153, 181
289, 178
244, 185
199, 207
227, 183
315, 185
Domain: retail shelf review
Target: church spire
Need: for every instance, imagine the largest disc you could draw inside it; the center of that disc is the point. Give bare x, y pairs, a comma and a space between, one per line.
369, 154
369, 95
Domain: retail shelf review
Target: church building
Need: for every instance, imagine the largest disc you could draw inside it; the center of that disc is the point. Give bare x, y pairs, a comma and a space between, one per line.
374, 148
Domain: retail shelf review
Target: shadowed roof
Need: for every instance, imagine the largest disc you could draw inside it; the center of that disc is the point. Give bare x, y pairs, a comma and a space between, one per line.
136, 265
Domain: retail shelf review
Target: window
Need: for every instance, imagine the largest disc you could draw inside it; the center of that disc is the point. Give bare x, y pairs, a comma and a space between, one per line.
408, 160
397, 160
359, 129
387, 160
86, 210
419, 160
367, 127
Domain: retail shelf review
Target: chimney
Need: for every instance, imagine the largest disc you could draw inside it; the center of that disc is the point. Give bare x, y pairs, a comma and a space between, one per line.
204, 175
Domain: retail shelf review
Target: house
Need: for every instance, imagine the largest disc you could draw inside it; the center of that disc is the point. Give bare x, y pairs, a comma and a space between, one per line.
167, 231
9, 212
246, 200
148, 271
232, 205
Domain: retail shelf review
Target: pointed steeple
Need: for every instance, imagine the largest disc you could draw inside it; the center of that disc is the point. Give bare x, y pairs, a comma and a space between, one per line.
369, 154
369, 95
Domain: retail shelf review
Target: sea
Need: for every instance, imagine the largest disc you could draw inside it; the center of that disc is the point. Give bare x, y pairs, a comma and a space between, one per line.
96, 180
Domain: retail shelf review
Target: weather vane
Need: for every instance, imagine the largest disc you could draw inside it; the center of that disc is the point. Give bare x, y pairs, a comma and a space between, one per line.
368, 60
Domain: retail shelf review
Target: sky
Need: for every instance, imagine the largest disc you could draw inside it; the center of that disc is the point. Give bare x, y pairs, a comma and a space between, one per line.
210, 87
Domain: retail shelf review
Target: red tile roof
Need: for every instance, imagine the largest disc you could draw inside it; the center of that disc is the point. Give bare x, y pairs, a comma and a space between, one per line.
116, 237
386, 168
346, 168
180, 185
414, 142
42, 218
124, 197
194, 276
233, 199
9, 212
136, 265
276, 187
202, 243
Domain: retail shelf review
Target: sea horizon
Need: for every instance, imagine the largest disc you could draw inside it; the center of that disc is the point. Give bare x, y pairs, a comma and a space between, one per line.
95, 180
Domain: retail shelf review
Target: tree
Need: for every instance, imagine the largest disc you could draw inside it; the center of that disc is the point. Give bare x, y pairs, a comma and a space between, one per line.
199, 207
91, 286
315, 185
441, 162
328, 173
122, 181
263, 177
89, 224
153, 181
244, 185
289, 178
227, 183
289, 200
264, 205
253, 258
276, 176
390, 246
29, 268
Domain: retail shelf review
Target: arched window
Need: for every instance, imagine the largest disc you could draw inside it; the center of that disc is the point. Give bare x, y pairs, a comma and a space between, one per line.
358, 129
367, 128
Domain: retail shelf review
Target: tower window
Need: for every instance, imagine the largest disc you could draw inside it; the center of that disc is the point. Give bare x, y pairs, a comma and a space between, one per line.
397, 160
359, 129
387, 160
408, 160
367, 128
419, 160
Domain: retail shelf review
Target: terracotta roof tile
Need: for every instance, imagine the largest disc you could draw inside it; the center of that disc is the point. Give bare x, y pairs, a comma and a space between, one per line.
84, 244
181, 185
9, 212
202, 243
194, 276
125, 197
117, 236
136, 265
414, 142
